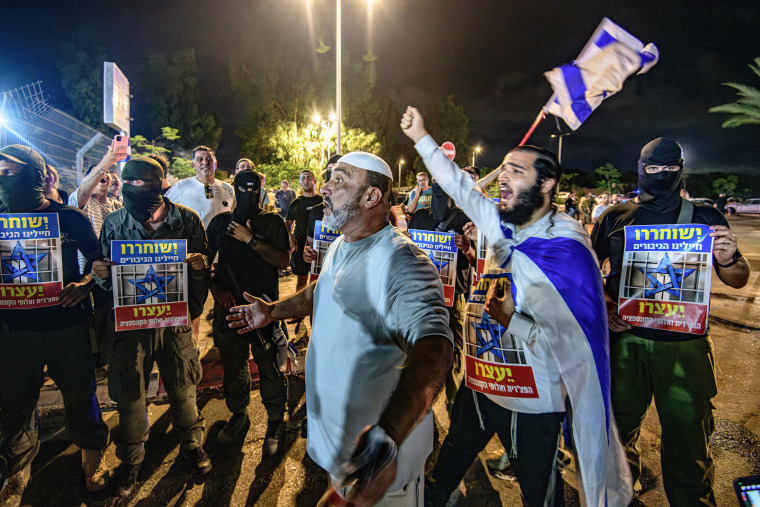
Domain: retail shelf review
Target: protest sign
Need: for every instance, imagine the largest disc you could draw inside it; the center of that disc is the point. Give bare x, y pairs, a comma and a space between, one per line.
150, 283
30, 260
495, 363
440, 248
665, 279
323, 238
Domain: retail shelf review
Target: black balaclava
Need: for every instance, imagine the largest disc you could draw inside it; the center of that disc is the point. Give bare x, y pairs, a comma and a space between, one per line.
24, 192
247, 201
439, 203
142, 201
661, 191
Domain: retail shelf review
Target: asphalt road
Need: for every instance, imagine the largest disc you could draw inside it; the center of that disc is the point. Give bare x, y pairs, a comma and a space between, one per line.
290, 478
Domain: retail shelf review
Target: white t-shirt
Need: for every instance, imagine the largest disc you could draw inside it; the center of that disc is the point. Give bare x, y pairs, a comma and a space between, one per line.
192, 193
374, 298
598, 210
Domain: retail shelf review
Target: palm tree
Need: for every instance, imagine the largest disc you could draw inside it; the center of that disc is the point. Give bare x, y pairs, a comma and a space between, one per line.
746, 110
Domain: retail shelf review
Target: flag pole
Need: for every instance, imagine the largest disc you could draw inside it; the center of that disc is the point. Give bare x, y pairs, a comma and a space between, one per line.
538, 119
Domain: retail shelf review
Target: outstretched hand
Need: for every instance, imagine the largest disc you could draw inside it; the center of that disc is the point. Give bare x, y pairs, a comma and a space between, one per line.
246, 318
412, 124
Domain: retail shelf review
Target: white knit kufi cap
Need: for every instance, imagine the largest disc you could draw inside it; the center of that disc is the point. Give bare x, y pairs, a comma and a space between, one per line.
368, 162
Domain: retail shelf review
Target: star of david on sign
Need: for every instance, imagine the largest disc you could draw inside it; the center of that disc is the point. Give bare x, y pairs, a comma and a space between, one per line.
159, 283
494, 344
438, 264
27, 264
665, 267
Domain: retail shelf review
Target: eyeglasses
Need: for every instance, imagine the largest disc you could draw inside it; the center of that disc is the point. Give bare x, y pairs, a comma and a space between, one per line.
651, 169
209, 191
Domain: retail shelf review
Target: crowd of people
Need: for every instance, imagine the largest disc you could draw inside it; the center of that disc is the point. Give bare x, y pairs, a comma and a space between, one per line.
383, 343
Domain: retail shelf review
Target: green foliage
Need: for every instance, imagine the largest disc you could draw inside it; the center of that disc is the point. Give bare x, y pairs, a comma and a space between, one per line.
173, 98
181, 168
567, 181
726, 185
280, 101
82, 81
283, 171
446, 121
746, 109
141, 146
608, 178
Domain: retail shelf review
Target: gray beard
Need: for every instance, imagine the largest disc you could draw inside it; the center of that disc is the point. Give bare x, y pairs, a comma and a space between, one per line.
338, 218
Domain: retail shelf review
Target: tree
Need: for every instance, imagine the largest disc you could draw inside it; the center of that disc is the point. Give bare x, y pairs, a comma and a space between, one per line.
726, 185
746, 109
82, 81
179, 167
173, 98
609, 177
446, 121
567, 180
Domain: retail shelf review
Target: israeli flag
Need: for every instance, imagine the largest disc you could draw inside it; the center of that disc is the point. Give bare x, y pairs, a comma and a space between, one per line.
605, 62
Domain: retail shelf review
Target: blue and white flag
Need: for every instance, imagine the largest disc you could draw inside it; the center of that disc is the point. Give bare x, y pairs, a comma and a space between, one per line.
605, 62
560, 322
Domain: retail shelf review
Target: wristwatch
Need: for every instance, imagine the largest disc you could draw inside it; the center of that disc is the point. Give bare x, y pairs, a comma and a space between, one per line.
734, 259
252, 242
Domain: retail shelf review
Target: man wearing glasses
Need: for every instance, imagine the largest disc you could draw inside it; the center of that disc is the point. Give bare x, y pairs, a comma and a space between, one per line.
203, 193
673, 368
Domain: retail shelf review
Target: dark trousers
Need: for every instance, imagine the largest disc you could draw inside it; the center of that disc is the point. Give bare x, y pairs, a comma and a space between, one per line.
533, 454
455, 375
135, 352
23, 356
234, 350
680, 377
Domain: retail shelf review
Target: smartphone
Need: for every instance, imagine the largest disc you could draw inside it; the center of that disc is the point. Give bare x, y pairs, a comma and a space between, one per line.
748, 491
119, 141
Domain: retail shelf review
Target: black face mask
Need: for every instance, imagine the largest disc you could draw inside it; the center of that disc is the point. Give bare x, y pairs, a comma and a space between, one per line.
24, 192
141, 202
248, 199
660, 191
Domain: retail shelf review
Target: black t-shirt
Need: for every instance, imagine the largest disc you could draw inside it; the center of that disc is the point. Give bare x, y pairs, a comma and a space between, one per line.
423, 220
608, 238
240, 268
316, 213
76, 234
299, 212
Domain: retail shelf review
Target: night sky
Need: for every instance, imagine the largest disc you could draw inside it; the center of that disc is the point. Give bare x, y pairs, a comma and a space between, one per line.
490, 54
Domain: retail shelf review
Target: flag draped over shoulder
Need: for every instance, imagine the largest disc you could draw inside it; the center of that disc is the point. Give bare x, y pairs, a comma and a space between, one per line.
568, 306
605, 62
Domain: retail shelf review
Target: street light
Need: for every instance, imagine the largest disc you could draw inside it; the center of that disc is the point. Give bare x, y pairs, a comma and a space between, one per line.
476, 150
559, 145
338, 147
400, 164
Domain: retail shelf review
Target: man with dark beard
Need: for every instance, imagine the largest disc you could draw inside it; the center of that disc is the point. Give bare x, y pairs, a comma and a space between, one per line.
149, 215
675, 369
380, 344
444, 216
552, 309
252, 245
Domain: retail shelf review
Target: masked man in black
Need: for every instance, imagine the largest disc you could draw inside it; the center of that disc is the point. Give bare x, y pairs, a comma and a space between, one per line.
252, 245
53, 336
673, 368
444, 216
149, 215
